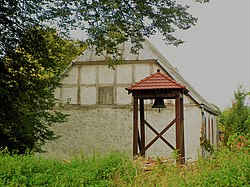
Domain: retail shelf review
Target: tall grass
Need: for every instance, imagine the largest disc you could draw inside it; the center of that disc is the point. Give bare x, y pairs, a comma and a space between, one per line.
224, 168
36, 171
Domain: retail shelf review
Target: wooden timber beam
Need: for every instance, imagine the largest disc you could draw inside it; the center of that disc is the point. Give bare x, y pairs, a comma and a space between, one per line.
163, 139
160, 134
179, 129
142, 127
135, 127
139, 95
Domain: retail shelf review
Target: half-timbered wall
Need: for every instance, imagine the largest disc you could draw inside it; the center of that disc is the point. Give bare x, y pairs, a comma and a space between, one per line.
101, 112
86, 84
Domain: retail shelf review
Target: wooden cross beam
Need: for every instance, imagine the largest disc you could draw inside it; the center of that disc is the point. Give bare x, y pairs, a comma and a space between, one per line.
159, 135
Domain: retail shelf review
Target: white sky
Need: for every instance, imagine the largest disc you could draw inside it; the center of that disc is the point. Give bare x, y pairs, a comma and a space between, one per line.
216, 55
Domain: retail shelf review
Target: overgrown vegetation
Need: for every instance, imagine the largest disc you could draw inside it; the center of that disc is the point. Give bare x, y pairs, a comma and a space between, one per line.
35, 171
225, 168
235, 120
28, 77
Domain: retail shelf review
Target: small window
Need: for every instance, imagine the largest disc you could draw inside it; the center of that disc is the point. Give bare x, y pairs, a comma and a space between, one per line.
105, 95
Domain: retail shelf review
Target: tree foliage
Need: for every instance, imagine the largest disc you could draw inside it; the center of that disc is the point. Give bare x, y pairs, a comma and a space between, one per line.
16, 17
106, 23
27, 80
109, 23
236, 119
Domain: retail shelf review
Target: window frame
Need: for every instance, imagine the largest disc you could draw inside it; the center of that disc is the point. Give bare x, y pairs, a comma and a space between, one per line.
107, 95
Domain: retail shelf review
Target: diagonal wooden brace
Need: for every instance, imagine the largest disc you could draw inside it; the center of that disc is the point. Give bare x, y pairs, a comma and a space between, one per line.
159, 135
162, 138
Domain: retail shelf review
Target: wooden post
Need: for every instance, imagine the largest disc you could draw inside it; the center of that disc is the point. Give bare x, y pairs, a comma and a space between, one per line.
182, 131
178, 125
135, 127
142, 127
179, 114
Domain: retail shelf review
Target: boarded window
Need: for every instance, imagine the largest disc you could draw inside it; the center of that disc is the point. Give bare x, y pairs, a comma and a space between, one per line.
209, 130
105, 95
205, 126
212, 123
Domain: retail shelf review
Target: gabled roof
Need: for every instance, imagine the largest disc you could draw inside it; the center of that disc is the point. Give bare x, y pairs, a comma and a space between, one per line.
148, 52
156, 81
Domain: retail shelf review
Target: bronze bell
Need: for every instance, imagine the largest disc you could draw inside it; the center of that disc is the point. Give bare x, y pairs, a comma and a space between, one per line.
159, 103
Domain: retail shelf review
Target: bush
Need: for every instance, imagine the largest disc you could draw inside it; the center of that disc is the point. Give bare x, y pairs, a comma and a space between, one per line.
225, 168
236, 119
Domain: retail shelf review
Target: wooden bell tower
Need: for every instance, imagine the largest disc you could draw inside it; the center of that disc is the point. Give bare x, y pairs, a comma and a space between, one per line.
157, 85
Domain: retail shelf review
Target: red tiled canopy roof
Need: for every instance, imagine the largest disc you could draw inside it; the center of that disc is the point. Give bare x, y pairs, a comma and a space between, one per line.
156, 81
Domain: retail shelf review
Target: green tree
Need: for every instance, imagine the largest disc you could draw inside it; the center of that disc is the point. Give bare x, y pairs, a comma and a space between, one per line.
27, 81
236, 119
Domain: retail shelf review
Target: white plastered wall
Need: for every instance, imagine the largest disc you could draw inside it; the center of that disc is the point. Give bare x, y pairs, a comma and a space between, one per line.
92, 127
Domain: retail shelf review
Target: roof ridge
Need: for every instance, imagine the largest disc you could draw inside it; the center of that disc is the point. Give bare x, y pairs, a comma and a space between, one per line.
142, 80
162, 83
172, 80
